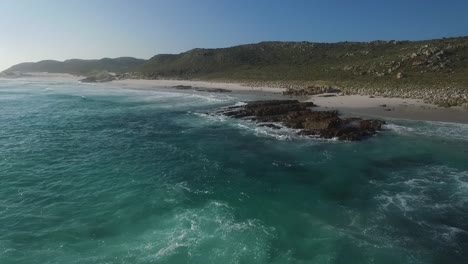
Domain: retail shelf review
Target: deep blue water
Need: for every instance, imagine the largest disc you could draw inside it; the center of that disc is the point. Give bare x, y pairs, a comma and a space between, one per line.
98, 174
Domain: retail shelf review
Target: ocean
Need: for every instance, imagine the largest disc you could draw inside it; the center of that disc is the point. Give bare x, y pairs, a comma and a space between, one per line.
100, 174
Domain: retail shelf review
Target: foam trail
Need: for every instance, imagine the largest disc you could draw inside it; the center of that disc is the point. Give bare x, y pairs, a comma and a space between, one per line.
431, 129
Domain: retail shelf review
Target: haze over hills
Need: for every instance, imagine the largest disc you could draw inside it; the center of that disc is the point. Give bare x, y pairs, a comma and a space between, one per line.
79, 67
439, 63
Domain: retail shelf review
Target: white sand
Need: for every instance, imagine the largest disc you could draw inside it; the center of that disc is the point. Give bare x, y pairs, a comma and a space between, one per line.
399, 108
148, 84
359, 101
351, 104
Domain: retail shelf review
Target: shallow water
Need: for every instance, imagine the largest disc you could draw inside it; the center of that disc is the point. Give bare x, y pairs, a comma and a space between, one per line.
98, 174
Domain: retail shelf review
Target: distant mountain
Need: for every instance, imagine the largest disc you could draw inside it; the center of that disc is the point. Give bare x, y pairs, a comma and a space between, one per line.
80, 67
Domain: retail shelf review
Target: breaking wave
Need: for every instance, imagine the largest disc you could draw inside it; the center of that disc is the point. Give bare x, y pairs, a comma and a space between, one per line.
454, 131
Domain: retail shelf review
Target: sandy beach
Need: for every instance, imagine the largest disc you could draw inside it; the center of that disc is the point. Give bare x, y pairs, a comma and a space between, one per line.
397, 108
236, 87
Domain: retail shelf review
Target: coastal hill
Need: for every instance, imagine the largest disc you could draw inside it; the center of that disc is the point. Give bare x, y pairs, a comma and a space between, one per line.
378, 61
79, 67
434, 70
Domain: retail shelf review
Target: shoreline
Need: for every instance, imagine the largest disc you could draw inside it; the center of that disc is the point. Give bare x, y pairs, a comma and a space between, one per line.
360, 105
356, 105
391, 108
234, 87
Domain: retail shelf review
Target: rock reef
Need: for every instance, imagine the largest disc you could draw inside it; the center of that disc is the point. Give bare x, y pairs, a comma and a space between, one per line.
201, 89
299, 115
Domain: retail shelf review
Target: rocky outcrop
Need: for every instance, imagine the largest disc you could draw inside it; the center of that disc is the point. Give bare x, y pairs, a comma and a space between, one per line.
400, 75
300, 116
100, 77
183, 87
441, 96
201, 89
212, 90
312, 90
430, 58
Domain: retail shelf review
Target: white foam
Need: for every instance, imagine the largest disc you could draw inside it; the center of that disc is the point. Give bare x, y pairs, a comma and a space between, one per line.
449, 233
211, 117
212, 98
432, 129
398, 129
413, 189
240, 104
191, 228
173, 246
404, 201
270, 132
280, 133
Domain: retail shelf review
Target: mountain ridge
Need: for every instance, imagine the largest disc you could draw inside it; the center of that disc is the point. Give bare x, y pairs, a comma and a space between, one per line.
393, 68
79, 66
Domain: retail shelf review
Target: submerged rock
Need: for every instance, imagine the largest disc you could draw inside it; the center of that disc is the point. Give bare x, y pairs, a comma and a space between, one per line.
201, 89
299, 115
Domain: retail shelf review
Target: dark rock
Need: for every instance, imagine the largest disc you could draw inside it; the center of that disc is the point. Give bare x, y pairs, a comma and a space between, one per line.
400, 75
312, 90
212, 90
201, 89
183, 87
299, 115
274, 126
100, 77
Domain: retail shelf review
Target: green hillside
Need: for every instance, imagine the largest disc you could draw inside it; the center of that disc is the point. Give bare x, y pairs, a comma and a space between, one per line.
443, 61
432, 62
433, 70
80, 67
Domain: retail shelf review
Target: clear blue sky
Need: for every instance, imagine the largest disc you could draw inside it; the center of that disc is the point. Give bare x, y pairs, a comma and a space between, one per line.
62, 29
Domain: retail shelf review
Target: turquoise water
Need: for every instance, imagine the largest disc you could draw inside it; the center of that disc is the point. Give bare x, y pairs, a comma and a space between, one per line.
96, 174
